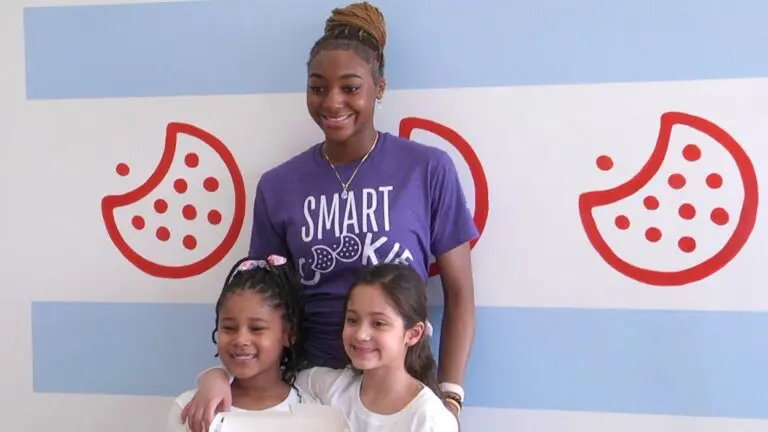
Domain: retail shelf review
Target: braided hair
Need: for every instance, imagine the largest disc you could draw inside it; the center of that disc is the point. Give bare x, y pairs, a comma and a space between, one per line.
359, 27
279, 286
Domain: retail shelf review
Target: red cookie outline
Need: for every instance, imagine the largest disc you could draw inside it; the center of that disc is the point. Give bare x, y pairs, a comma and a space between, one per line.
479, 179
589, 200
110, 202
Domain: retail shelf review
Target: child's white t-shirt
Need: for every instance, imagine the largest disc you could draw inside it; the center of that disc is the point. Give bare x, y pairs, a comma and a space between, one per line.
341, 388
174, 417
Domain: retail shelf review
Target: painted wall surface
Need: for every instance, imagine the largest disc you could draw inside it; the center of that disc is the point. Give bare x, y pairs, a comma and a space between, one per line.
638, 307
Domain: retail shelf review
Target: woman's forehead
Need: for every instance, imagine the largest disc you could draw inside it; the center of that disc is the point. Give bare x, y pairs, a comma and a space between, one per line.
338, 64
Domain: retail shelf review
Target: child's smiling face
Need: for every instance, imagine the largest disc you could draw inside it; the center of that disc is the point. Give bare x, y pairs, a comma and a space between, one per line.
374, 333
251, 335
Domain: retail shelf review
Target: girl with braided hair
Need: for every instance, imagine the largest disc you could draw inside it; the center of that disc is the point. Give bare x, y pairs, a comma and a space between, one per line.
360, 197
257, 337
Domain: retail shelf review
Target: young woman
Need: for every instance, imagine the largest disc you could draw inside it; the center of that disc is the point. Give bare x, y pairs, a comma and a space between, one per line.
359, 198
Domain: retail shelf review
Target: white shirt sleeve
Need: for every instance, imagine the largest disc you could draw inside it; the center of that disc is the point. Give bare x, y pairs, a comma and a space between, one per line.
317, 382
174, 423
436, 423
434, 417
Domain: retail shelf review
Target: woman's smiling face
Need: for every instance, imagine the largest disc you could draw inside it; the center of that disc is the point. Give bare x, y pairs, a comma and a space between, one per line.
342, 93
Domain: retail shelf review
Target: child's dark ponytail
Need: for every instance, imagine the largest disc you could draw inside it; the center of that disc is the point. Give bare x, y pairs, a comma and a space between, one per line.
421, 364
407, 292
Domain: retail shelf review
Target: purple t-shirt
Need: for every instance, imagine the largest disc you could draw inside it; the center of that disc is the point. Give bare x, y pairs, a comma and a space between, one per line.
404, 204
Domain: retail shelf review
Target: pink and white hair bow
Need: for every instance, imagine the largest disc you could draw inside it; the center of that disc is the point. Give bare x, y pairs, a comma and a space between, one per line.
271, 261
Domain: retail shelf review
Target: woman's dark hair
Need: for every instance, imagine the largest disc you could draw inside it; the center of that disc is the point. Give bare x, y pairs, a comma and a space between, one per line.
279, 286
407, 293
359, 27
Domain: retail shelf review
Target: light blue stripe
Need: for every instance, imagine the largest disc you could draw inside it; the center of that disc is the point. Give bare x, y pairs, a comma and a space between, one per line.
120, 348
247, 46
633, 361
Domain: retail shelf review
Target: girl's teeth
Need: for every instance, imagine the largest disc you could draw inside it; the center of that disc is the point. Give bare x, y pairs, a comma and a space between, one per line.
244, 357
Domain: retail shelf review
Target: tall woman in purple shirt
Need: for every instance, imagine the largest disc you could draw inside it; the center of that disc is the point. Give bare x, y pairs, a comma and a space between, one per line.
360, 198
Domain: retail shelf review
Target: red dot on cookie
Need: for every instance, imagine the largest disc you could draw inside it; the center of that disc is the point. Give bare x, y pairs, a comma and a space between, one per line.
687, 211
687, 244
161, 206
138, 222
214, 217
691, 152
604, 163
651, 202
162, 233
622, 222
191, 160
719, 216
189, 242
211, 184
676, 181
714, 181
180, 185
653, 234
189, 212
122, 169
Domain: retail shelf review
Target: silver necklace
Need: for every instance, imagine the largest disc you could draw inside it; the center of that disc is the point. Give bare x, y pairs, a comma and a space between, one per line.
345, 186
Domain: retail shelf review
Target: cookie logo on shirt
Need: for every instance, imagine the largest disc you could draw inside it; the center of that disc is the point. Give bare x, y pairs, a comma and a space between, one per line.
361, 222
187, 215
324, 258
364, 213
685, 215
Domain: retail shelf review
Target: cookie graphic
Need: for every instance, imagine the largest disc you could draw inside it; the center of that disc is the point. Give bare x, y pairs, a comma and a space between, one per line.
323, 259
685, 215
187, 215
349, 248
409, 124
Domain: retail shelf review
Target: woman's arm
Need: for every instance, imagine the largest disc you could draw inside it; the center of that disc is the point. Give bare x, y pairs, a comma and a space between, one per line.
214, 395
458, 325
452, 230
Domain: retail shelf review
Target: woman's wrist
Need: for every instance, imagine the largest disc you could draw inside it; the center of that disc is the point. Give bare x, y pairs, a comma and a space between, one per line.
452, 406
455, 389
453, 396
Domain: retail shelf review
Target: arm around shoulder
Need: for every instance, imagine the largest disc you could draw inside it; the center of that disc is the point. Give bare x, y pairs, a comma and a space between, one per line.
214, 374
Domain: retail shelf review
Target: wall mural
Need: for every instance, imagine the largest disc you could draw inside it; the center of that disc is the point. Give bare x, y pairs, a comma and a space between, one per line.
706, 205
198, 203
619, 282
180, 223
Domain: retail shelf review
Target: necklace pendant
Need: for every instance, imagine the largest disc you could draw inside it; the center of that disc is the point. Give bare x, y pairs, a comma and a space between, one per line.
344, 194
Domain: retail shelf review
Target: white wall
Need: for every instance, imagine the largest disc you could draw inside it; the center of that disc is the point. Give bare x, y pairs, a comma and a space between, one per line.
569, 338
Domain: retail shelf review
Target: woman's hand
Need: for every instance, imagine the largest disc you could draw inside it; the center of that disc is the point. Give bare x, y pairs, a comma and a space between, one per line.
213, 396
458, 329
